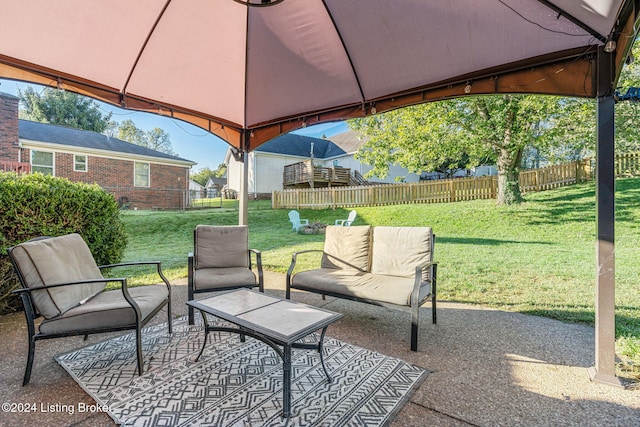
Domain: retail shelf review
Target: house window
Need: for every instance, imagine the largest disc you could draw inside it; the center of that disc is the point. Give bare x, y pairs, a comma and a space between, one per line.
42, 161
79, 163
141, 178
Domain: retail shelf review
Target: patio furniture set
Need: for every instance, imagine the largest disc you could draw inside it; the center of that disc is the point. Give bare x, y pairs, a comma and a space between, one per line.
389, 266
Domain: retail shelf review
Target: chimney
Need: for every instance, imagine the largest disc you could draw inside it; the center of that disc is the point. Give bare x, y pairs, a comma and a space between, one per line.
9, 127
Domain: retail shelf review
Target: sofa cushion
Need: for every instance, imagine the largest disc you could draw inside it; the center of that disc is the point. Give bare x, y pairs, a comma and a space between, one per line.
58, 260
221, 246
107, 310
396, 251
359, 284
215, 278
347, 247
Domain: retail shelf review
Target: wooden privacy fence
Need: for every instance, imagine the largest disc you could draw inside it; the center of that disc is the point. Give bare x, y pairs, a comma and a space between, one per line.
555, 176
436, 191
627, 164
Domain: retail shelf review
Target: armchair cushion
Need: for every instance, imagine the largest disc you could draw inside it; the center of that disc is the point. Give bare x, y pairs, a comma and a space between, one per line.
212, 278
387, 258
221, 246
347, 247
58, 260
107, 310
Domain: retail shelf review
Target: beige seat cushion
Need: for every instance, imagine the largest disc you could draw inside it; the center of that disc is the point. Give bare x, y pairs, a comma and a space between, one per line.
359, 284
58, 260
347, 247
221, 246
396, 251
107, 310
215, 278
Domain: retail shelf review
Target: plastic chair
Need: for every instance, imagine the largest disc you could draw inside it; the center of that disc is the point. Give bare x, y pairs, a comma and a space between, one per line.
347, 222
294, 218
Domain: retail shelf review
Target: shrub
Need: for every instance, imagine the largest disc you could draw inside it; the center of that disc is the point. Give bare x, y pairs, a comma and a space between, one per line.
38, 205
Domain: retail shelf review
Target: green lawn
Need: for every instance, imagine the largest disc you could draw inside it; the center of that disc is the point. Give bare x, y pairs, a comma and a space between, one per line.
536, 258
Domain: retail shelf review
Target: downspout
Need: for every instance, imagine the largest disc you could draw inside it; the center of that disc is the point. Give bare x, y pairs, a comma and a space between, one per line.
255, 176
243, 156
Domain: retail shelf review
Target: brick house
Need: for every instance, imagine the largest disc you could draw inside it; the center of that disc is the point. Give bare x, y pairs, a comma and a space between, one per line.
138, 177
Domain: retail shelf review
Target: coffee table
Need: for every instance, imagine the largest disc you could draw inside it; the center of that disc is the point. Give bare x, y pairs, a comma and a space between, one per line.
272, 320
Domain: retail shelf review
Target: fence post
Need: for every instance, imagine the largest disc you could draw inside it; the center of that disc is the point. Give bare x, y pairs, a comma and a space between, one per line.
452, 191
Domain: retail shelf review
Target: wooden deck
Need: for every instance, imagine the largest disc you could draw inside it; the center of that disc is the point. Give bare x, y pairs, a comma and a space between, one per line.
305, 175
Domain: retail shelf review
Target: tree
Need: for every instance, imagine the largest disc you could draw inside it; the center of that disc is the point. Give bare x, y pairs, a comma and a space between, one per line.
628, 112
128, 131
484, 128
63, 108
155, 139
203, 175
159, 140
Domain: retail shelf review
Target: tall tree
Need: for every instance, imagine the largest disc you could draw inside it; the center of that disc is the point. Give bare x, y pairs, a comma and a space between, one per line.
628, 112
128, 131
155, 139
63, 108
494, 128
203, 175
159, 140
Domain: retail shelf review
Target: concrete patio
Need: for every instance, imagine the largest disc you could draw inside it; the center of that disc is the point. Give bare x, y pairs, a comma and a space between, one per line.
488, 368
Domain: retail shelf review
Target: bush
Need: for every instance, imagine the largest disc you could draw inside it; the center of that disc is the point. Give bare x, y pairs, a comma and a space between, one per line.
38, 205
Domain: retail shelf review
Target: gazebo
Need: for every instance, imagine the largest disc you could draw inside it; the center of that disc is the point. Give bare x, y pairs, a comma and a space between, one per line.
250, 70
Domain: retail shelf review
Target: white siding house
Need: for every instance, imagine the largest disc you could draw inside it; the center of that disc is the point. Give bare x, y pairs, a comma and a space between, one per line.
266, 163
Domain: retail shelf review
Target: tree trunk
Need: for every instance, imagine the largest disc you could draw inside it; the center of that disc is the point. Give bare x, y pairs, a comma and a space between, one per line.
508, 183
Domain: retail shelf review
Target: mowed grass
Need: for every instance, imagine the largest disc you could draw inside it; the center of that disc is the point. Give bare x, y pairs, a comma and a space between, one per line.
537, 258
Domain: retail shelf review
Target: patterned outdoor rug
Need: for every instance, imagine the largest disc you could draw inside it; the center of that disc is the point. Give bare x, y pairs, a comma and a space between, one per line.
238, 384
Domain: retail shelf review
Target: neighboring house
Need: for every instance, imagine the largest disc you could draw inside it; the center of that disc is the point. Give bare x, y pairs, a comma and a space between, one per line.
266, 163
138, 177
350, 141
196, 191
213, 187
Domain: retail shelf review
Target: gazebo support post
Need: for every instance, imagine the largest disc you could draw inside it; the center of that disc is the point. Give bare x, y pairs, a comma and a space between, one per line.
604, 369
243, 195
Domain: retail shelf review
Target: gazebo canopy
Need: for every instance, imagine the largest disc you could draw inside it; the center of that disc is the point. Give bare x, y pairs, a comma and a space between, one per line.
251, 70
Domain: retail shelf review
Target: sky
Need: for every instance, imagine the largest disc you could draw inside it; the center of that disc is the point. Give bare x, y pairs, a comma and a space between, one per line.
189, 141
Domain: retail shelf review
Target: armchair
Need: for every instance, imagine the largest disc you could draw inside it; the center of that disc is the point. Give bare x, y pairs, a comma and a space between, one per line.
62, 283
221, 260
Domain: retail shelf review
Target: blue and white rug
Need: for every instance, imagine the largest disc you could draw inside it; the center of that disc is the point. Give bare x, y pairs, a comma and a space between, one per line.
238, 384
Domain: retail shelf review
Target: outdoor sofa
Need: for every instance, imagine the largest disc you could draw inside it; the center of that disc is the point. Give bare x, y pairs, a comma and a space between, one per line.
387, 266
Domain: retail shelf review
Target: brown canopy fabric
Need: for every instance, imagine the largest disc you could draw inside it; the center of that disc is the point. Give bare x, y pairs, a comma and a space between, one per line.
251, 70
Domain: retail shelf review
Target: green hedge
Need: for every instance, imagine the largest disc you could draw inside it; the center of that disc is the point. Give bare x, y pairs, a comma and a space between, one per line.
38, 205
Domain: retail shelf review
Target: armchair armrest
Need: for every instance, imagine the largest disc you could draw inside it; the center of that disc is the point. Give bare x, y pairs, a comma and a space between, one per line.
121, 280
419, 274
294, 259
258, 255
158, 265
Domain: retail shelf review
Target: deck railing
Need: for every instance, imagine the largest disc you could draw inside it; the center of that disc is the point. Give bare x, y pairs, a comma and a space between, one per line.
304, 173
19, 167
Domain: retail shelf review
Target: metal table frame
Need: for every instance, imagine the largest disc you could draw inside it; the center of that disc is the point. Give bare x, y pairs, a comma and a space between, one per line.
271, 337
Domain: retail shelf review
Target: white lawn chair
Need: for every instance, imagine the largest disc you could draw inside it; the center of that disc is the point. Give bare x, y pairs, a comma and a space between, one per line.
347, 222
294, 218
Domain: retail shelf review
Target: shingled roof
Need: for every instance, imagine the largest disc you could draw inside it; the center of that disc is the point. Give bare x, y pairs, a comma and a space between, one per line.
299, 145
44, 132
